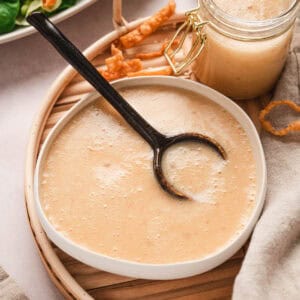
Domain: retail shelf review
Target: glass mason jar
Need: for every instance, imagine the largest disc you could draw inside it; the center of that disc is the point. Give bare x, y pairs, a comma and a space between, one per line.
242, 59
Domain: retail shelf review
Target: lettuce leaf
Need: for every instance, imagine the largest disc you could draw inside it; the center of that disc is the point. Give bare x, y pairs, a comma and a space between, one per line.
66, 4
8, 12
33, 6
37, 5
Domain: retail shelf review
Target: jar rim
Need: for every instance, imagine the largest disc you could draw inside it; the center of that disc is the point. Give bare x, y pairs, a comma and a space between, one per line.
220, 13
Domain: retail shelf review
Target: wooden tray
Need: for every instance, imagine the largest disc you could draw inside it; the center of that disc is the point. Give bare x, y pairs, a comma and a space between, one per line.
74, 279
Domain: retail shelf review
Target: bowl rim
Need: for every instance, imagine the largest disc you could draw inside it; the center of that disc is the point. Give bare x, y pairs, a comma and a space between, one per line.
214, 259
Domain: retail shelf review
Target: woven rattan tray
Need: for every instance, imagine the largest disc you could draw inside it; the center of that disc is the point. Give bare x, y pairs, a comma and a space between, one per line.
79, 281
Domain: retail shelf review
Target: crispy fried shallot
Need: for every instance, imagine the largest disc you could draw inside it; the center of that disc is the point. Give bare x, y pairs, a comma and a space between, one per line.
118, 67
148, 27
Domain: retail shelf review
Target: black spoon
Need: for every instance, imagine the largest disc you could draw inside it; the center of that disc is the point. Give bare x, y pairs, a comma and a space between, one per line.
159, 142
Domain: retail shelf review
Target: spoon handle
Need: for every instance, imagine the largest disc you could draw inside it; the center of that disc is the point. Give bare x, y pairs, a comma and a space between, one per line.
91, 74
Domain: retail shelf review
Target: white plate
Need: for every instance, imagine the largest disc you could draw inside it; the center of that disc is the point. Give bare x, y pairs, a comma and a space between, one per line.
24, 31
158, 271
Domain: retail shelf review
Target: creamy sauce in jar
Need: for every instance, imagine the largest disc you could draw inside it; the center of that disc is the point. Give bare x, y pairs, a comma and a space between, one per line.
254, 10
98, 188
244, 68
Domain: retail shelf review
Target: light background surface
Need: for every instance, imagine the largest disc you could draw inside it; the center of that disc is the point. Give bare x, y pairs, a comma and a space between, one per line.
27, 69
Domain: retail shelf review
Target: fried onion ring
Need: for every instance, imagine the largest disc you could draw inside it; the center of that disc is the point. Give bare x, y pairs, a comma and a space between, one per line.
267, 125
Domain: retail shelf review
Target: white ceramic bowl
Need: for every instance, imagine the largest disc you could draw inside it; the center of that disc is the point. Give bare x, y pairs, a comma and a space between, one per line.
159, 271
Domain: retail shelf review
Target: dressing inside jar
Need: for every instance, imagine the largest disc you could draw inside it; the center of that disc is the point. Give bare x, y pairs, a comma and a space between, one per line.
247, 42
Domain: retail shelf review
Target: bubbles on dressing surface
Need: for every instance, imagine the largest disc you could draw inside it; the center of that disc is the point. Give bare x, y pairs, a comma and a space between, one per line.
196, 170
254, 9
109, 174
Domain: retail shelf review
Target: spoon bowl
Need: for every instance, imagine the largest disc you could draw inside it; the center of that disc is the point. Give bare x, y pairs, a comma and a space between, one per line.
177, 139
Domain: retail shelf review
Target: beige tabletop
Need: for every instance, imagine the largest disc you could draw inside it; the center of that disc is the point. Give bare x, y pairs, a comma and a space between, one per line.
27, 68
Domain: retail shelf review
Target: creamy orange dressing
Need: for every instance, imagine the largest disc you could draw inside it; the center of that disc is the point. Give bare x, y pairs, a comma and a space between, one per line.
98, 188
244, 68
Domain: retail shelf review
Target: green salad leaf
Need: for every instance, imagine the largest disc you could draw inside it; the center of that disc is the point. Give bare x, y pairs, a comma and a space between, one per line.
15, 12
8, 12
27, 8
24, 5
37, 5
66, 4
